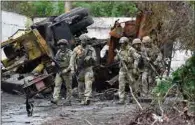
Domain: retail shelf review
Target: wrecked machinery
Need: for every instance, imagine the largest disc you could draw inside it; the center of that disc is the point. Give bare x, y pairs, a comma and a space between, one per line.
29, 50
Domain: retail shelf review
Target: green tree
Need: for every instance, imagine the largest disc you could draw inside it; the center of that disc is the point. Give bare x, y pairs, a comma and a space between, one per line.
109, 9
48, 8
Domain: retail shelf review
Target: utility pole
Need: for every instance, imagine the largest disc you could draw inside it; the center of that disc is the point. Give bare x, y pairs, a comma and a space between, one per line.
67, 6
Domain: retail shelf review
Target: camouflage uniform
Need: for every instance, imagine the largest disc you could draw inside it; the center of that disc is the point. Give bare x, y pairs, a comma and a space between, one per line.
151, 54
84, 59
63, 59
130, 58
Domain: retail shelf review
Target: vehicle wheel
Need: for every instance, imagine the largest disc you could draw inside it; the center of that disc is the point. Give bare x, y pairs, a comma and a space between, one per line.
81, 25
43, 22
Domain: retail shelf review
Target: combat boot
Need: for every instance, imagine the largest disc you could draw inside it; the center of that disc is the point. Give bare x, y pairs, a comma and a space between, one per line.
85, 102
121, 102
67, 103
55, 101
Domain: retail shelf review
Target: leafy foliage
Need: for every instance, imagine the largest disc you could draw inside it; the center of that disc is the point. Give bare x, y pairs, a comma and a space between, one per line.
183, 77
170, 21
109, 9
162, 87
51, 8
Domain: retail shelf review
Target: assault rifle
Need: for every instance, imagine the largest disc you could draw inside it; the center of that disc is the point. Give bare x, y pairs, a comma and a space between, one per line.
150, 63
57, 66
124, 65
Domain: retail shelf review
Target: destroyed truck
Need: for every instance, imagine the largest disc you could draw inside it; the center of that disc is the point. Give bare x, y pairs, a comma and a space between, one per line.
29, 50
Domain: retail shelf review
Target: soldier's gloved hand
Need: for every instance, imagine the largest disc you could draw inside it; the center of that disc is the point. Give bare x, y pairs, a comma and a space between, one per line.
135, 64
155, 63
53, 63
87, 58
162, 70
65, 71
72, 72
115, 50
60, 73
135, 71
147, 58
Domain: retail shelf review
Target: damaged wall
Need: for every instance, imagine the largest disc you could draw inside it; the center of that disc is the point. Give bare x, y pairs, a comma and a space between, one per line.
11, 22
179, 58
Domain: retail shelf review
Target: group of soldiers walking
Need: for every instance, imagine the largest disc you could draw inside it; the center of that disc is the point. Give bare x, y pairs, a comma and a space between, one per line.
138, 60
80, 61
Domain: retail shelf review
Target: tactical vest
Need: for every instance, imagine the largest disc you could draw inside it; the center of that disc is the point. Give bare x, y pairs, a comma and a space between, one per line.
152, 53
63, 58
82, 62
127, 58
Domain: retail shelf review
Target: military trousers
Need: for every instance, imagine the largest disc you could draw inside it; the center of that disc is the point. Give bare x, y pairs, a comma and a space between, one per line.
85, 80
124, 79
146, 80
67, 78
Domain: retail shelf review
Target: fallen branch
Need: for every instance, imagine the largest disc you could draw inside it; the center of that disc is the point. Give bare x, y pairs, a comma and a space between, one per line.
154, 122
135, 98
88, 122
106, 91
168, 91
160, 118
162, 112
177, 109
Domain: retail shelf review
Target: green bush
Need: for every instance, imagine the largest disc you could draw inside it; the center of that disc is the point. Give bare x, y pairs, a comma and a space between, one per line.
183, 78
162, 87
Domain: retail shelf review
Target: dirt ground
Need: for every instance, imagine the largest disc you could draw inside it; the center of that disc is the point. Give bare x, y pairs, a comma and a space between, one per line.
97, 113
45, 113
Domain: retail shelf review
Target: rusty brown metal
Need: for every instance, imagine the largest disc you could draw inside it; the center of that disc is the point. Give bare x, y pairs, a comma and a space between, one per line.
130, 29
115, 35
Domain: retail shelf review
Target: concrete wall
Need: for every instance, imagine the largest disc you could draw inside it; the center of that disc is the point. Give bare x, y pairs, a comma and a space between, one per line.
179, 58
102, 26
11, 22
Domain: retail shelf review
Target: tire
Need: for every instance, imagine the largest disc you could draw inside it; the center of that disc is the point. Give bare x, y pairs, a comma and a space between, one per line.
72, 20
81, 25
43, 22
77, 11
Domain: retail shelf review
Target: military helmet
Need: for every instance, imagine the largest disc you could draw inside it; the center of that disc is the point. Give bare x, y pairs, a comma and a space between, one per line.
123, 40
136, 41
84, 37
62, 42
146, 39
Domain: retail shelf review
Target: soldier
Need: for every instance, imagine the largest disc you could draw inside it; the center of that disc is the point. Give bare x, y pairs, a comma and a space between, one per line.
130, 57
84, 58
138, 65
153, 56
62, 59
